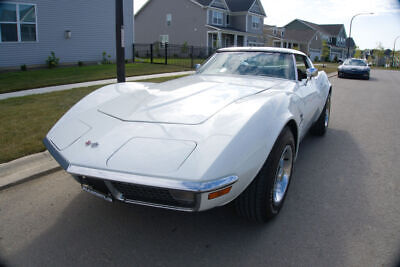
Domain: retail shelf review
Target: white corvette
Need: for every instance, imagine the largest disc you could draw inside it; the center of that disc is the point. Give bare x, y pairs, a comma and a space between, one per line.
229, 132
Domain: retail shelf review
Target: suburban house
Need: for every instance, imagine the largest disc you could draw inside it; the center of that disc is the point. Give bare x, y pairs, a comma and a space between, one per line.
308, 37
75, 31
306, 40
204, 23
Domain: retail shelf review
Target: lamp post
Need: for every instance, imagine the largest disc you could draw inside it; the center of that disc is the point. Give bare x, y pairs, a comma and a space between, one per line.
351, 22
120, 45
394, 49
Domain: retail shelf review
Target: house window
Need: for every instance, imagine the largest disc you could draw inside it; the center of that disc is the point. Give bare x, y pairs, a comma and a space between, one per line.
255, 22
217, 17
169, 19
274, 31
17, 22
228, 20
282, 34
164, 39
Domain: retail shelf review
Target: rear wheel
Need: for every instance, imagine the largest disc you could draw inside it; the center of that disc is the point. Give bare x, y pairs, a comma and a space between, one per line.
321, 125
264, 197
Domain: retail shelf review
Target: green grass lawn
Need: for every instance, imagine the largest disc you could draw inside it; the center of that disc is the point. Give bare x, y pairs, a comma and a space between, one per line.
327, 67
26, 120
21, 80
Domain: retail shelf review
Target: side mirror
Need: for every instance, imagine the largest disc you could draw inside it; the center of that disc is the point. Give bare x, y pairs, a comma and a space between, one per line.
197, 67
311, 72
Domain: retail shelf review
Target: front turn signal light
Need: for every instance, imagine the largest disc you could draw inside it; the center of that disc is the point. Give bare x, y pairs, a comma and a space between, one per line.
219, 193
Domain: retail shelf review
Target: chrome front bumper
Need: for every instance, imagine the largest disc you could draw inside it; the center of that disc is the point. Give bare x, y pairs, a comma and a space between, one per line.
122, 186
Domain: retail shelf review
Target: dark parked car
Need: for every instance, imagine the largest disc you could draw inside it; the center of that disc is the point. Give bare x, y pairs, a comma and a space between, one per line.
354, 68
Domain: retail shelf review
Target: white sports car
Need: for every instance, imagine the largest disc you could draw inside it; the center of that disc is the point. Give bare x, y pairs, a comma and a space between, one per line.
229, 132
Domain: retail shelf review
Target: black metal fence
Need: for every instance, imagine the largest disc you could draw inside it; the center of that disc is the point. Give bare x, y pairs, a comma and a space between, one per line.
170, 54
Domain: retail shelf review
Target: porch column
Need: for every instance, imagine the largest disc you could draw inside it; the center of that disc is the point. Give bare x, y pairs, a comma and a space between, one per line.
245, 40
219, 39
235, 40
281, 44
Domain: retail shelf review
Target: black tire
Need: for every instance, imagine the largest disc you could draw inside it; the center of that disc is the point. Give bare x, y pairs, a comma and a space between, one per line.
256, 202
321, 125
339, 75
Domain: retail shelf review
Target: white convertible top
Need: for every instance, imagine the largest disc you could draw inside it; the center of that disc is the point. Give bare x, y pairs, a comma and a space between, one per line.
261, 49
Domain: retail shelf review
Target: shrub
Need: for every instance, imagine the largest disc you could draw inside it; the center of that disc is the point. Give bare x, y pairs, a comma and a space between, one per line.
24, 68
316, 59
80, 63
185, 48
106, 58
52, 60
336, 59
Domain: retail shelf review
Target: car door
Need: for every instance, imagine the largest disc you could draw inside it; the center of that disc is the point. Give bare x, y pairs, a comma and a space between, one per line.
307, 90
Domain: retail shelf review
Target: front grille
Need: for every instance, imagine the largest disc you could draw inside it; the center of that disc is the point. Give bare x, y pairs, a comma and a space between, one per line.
149, 194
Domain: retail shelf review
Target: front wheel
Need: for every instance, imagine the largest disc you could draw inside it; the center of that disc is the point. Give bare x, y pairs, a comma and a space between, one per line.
264, 197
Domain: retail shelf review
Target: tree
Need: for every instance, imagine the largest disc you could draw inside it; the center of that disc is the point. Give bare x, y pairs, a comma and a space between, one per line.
358, 53
325, 51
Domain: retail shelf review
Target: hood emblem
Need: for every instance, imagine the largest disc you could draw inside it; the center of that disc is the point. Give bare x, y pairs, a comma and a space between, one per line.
93, 145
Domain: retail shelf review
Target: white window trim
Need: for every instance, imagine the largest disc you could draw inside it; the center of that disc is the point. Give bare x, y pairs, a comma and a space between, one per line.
162, 39
214, 12
168, 19
253, 23
19, 23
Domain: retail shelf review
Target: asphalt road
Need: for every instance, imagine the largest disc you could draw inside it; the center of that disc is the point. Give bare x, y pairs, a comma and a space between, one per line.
343, 207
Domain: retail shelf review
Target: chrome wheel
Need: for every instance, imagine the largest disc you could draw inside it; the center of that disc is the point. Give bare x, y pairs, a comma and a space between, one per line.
283, 174
327, 111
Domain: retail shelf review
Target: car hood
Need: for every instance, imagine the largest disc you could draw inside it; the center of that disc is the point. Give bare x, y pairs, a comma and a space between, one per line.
189, 100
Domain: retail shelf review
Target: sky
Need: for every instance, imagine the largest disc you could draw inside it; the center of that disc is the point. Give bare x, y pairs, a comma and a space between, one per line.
367, 30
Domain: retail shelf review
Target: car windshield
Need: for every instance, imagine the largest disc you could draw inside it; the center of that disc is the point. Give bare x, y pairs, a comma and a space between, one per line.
278, 65
355, 62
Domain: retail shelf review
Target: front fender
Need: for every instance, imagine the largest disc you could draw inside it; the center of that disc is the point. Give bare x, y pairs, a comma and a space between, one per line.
249, 147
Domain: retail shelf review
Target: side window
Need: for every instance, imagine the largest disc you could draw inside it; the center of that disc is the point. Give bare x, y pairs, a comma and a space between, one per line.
302, 65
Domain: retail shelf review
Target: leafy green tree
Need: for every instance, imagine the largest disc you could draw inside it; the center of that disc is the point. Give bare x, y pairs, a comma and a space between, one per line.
358, 53
325, 51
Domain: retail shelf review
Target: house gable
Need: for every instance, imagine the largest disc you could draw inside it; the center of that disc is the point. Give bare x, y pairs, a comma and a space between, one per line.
219, 4
257, 8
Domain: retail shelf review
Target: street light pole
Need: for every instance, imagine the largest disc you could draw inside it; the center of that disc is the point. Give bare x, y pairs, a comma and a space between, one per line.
119, 35
394, 49
351, 23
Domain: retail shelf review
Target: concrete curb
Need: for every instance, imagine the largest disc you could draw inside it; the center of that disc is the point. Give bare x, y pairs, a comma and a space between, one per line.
35, 166
27, 168
332, 74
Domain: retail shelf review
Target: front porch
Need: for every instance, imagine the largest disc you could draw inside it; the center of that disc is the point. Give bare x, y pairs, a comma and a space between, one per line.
219, 39
226, 37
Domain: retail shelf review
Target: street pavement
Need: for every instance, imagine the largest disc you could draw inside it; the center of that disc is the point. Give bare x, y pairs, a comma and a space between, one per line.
342, 209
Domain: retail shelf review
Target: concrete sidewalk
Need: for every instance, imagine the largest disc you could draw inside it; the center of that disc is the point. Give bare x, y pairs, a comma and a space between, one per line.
40, 164
86, 84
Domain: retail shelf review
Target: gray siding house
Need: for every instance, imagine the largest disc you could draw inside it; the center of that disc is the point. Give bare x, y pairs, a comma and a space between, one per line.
306, 40
205, 23
74, 30
334, 34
